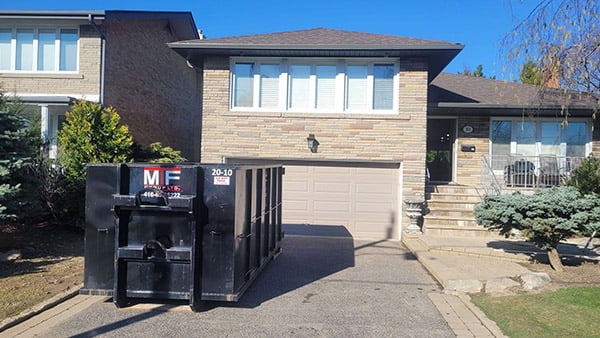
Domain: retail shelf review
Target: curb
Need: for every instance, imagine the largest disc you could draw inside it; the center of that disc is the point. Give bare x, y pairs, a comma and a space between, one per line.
39, 308
488, 323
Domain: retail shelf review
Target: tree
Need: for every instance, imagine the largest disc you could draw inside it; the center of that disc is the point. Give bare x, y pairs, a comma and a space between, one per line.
477, 73
530, 73
16, 151
546, 218
586, 177
563, 38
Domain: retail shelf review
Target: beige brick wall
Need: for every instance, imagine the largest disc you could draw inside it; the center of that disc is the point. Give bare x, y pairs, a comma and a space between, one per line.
399, 138
468, 164
85, 83
596, 138
157, 95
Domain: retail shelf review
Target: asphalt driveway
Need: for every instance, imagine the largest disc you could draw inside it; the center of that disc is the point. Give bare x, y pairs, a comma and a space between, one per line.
331, 286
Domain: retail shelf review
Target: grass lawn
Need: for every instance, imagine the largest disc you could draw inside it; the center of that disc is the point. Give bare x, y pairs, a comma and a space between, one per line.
569, 312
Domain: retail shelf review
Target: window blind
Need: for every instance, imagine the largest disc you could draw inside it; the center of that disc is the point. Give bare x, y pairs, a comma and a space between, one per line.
383, 86
269, 85
325, 89
356, 83
299, 86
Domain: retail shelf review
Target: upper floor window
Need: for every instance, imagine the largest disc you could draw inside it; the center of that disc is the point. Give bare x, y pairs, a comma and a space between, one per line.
315, 86
39, 49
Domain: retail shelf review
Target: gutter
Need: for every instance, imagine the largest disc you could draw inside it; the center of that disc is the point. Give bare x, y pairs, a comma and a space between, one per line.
103, 55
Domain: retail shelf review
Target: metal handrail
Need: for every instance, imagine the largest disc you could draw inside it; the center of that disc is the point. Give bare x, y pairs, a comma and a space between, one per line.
489, 181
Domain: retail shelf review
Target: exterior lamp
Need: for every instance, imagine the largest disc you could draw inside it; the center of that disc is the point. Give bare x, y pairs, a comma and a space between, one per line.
313, 144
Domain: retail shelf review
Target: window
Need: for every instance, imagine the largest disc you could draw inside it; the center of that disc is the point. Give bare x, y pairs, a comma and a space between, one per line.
39, 49
314, 86
539, 138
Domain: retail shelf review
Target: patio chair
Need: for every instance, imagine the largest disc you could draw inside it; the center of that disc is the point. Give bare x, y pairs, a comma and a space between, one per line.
549, 174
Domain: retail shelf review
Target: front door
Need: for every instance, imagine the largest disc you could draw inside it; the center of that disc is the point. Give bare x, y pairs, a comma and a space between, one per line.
440, 142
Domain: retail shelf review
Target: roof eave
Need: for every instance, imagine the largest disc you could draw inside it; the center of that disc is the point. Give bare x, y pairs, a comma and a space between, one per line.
509, 106
54, 15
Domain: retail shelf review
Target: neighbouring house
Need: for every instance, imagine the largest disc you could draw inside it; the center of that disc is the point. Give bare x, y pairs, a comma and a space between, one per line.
361, 121
48, 59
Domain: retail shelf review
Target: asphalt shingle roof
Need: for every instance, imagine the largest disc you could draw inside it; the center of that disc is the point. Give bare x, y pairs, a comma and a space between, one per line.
324, 37
458, 88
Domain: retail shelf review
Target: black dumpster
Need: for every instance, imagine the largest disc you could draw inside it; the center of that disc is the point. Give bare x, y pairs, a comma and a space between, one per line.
179, 231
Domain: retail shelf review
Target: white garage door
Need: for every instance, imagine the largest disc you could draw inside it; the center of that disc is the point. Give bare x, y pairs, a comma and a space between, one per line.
362, 199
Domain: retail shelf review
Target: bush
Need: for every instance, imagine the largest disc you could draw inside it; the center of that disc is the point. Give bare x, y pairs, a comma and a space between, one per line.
586, 177
156, 153
546, 218
92, 134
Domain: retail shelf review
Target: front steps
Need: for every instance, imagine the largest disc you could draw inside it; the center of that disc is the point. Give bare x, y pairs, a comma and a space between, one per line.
449, 212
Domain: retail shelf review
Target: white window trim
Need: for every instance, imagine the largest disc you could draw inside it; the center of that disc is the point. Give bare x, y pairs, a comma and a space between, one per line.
341, 90
538, 144
36, 29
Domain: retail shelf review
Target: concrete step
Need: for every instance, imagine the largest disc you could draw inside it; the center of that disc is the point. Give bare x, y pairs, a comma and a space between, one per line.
452, 189
431, 204
459, 231
438, 196
451, 212
449, 221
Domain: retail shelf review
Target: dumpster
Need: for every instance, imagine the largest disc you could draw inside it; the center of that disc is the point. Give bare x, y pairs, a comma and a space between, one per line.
179, 231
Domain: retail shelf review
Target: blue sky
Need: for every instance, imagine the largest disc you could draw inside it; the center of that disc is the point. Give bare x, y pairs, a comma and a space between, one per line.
478, 24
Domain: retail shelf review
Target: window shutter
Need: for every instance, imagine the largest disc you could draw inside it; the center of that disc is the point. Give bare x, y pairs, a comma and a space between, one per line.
383, 87
299, 86
269, 85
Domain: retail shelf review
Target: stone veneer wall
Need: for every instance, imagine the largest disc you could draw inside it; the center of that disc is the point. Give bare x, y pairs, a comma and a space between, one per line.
85, 83
399, 138
156, 93
468, 164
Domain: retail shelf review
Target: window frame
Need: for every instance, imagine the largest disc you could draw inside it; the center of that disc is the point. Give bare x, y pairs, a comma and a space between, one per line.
340, 94
538, 143
35, 52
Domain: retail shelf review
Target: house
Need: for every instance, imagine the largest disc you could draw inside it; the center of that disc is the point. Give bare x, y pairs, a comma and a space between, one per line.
359, 120
48, 59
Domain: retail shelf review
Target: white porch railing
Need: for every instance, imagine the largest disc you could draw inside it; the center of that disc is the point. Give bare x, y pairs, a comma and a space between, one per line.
499, 172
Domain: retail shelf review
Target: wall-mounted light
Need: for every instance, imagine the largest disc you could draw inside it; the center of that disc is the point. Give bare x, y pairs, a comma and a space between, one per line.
313, 144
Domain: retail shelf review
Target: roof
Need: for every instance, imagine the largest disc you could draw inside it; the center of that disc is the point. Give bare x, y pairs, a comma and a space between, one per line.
323, 37
183, 22
321, 42
468, 92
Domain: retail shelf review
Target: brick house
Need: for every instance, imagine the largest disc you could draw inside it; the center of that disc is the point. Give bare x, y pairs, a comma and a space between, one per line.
383, 118
118, 58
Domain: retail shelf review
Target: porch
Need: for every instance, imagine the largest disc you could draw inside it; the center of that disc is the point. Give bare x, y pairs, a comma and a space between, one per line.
505, 173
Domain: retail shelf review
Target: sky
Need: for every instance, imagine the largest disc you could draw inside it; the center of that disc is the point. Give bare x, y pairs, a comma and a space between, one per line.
477, 24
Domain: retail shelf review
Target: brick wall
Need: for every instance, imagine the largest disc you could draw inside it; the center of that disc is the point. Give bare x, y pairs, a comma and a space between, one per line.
85, 83
468, 164
151, 86
398, 138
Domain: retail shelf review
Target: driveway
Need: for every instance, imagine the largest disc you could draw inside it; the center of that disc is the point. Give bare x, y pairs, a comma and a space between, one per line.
319, 286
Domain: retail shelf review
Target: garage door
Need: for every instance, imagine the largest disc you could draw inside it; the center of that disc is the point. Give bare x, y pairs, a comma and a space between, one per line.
363, 199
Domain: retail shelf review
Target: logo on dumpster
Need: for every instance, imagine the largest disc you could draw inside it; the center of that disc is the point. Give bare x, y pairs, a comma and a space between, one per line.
165, 179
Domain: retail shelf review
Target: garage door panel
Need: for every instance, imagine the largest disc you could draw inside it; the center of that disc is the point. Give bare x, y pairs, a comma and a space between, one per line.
326, 187
374, 188
297, 186
330, 207
372, 208
296, 205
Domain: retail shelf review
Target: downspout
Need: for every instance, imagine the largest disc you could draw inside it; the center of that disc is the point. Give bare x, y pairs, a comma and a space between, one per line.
102, 55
